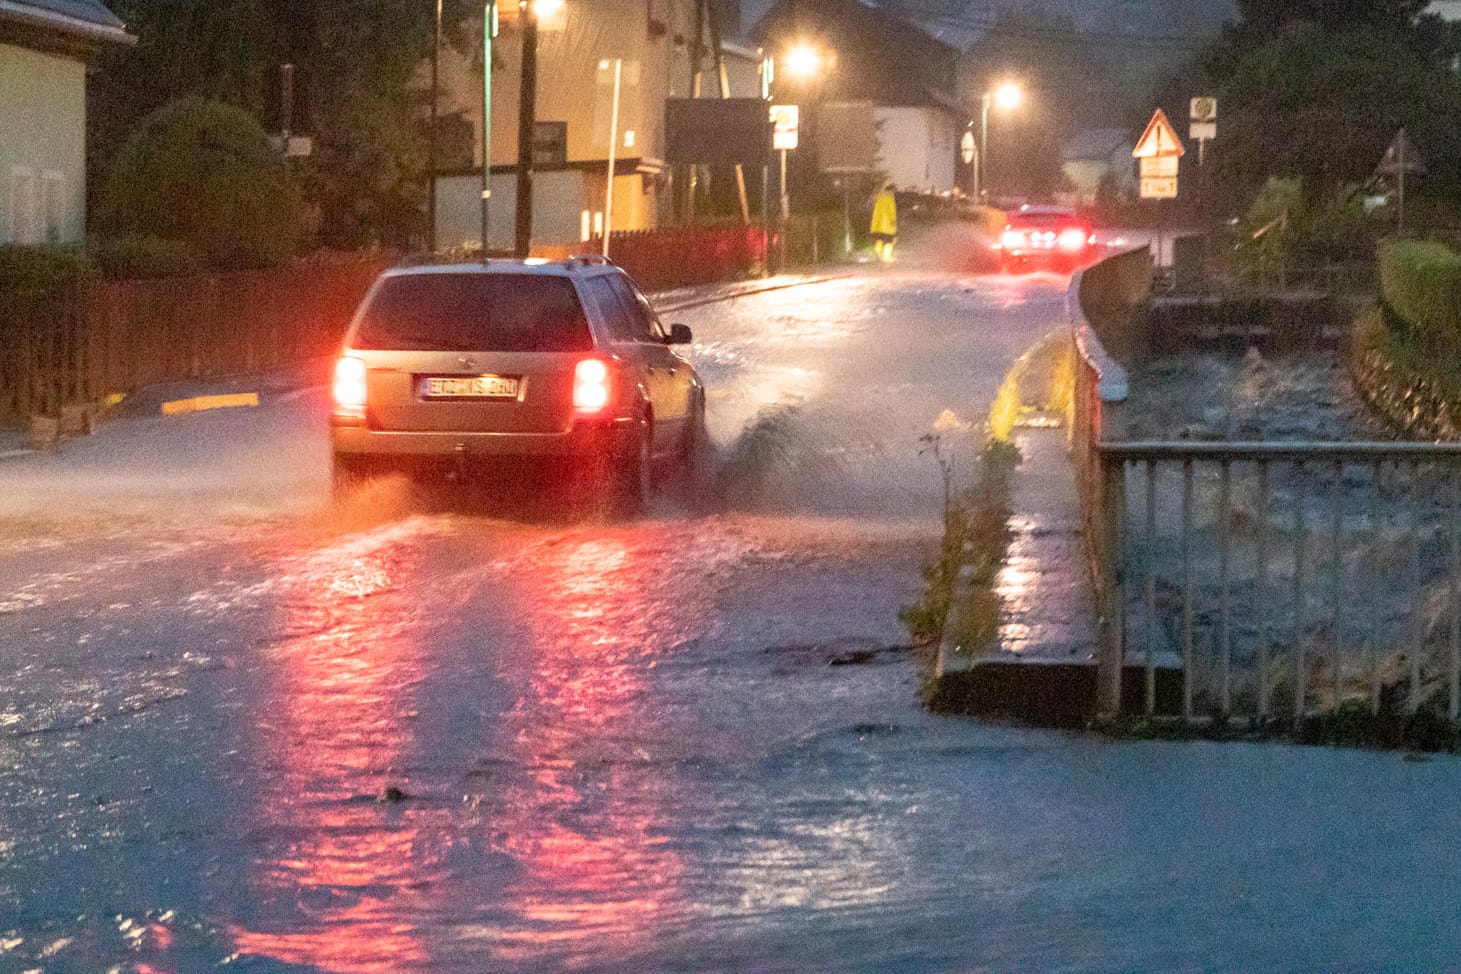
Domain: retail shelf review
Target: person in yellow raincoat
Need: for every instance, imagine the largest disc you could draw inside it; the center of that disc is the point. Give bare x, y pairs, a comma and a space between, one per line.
884, 227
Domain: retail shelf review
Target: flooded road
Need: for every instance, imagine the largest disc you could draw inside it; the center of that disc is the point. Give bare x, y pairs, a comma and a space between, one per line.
238, 724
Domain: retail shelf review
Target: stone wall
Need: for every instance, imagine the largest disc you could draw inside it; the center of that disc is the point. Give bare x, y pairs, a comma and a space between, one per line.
1414, 405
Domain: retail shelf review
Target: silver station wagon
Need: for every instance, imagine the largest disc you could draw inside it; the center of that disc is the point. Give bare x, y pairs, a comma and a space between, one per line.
514, 367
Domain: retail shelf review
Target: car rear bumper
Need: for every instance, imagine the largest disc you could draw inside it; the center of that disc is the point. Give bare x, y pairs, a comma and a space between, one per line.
583, 440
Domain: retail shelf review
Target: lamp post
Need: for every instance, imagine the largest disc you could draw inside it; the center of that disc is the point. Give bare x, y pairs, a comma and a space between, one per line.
1007, 97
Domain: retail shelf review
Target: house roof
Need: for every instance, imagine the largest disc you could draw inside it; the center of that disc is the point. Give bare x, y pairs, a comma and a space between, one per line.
87, 20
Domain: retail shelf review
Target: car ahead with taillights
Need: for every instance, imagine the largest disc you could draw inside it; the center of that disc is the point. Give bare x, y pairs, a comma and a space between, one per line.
514, 367
1045, 237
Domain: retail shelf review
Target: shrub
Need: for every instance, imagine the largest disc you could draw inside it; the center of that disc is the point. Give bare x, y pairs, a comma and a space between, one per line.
1420, 284
203, 172
39, 270
132, 257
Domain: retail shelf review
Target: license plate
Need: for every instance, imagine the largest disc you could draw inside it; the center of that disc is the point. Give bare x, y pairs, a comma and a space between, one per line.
470, 387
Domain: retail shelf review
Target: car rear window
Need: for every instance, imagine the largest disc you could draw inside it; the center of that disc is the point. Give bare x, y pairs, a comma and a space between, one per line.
475, 312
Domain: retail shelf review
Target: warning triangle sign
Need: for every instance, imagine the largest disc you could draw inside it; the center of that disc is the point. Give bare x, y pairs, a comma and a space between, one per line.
1400, 157
1159, 139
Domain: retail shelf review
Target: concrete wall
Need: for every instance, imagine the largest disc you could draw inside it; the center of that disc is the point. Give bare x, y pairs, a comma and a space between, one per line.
917, 148
42, 147
560, 200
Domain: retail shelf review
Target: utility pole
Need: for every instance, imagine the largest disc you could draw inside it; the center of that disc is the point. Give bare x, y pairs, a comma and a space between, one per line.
719, 54
489, 31
526, 123
431, 149
697, 51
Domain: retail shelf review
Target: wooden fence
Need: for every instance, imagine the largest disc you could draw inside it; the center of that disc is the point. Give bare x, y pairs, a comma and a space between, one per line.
82, 341
85, 340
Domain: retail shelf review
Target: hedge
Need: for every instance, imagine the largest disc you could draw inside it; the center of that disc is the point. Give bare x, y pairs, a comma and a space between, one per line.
1420, 284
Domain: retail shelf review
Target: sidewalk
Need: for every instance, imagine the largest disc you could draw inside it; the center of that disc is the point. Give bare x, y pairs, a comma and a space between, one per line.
1049, 609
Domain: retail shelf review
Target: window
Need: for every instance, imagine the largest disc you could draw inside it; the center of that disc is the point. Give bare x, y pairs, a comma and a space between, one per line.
54, 209
25, 216
640, 314
550, 143
600, 294
475, 313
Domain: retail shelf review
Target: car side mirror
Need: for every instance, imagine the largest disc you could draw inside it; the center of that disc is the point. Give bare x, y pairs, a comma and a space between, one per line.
680, 335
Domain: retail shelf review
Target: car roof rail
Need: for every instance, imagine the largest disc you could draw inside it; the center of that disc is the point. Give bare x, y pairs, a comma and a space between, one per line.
589, 260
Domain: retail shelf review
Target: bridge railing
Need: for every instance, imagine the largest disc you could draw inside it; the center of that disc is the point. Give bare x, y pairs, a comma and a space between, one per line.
1284, 578
1273, 580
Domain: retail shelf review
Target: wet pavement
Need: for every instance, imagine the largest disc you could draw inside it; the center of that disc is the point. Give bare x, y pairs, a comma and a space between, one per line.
239, 724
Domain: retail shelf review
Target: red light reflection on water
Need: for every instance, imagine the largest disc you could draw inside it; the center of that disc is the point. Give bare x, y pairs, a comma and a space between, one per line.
595, 877
338, 868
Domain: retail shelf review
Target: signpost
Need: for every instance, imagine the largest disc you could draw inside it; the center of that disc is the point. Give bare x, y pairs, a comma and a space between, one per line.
1401, 158
1159, 148
785, 126
1202, 124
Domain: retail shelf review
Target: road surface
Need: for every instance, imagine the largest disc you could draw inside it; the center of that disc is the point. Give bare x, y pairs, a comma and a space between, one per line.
239, 723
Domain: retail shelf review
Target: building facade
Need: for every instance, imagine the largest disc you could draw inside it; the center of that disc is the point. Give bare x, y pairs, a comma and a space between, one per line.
578, 47
45, 46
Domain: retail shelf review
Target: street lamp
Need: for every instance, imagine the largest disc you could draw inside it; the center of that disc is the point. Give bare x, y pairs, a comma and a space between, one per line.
1007, 96
802, 61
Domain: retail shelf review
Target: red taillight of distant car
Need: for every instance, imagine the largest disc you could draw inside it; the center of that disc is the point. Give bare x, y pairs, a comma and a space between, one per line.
1072, 240
349, 386
591, 387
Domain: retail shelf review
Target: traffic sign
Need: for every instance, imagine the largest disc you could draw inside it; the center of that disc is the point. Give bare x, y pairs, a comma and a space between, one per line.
966, 148
1159, 139
1204, 110
1159, 167
784, 126
1164, 188
1400, 157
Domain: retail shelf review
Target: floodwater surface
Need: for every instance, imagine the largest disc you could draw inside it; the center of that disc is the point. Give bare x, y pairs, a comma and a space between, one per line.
240, 724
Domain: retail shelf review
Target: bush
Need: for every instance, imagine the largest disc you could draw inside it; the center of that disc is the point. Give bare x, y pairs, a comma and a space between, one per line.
132, 257
1420, 284
39, 270
204, 173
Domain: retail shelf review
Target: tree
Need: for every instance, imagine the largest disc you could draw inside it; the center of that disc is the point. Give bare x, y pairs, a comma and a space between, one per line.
1268, 16
355, 93
203, 172
1322, 103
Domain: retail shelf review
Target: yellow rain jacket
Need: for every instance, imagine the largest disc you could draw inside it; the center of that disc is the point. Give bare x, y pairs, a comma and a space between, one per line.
885, 215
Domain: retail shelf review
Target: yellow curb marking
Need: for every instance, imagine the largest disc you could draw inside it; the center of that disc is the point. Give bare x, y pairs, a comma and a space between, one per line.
181, 407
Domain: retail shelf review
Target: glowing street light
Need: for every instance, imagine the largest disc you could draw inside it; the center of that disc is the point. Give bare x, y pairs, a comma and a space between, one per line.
802, 61
1007, 96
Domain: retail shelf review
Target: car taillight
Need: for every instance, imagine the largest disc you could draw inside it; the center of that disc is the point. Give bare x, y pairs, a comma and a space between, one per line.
349, 388
591, 386
1011, 239
1072, 239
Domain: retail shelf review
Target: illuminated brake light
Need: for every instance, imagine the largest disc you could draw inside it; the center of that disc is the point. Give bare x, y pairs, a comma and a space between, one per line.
1011, 239
349, 387
1072, 238
590, 386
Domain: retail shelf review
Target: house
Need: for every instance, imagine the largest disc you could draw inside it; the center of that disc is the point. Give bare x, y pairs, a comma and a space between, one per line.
45, 48
904, 78
578, 46
1096, 156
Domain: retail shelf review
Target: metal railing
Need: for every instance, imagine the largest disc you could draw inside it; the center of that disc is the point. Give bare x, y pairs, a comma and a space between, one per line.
1285, 577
